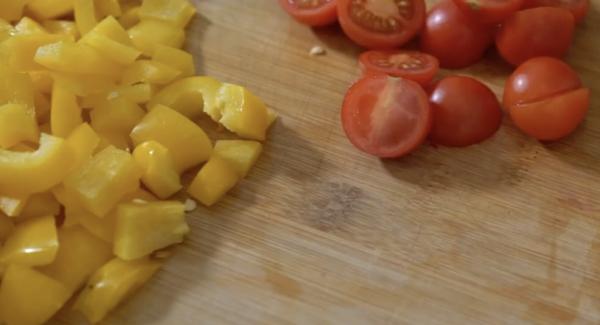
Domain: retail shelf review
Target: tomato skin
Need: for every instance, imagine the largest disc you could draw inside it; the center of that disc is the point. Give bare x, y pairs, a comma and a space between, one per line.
322, 16
543, 31
579, 8
378, 40
386, 117
489, 11
413, 65
452, 37
465, 112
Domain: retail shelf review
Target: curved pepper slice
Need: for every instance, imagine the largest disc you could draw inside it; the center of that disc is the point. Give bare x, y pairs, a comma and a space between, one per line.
160, 174
17, 124
190, 97
34, 242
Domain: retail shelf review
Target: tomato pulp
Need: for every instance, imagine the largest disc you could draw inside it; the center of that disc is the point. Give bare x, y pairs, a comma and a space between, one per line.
416, 66
311, 12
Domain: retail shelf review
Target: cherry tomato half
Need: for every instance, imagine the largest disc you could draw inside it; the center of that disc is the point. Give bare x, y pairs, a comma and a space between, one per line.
413, 65
453, 37
385, 116
381, 24
545, 98
579, 8
543, 31
465, 112
311, 12
489, 11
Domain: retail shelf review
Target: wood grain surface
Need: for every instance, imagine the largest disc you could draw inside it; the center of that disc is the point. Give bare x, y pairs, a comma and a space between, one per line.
506, 232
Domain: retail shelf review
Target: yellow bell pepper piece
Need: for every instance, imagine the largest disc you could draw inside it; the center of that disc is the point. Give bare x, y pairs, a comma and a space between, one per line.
111, 28
64, 27
215, 179
148, 33
240, 154
79, 255
103, 180
12, 10
27, 26
28, 297
39, 205
83, 142
17, 124
34, 172
42, 107
118, 140
34, 242
138, 93
116, 116
160, 174
186, 141
110, 39
42, 81
149, 71
15, 87
6, 227
190, 97
69, 57
12, 206
177, 59
85, 15
146, 227
22, 49
6, 30
175, 12
84, 85
108, 8
47, 9
112, 283
130, 16
65, 113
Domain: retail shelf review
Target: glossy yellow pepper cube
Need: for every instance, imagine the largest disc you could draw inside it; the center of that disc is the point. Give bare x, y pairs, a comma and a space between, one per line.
27, 26
112, 29
215, 179
240, 154
160, 174
17, 124
191, 96
28, 297
177, 59
79, 256
22, 49
12, 206
110, 39
33, 172
65, 113
83, 142
39, 205
12, 10
149, 71
185, 140
64, 27
15, 87
130, 16
146, 34
69, 57
47, 9
85, 15
175, 12
103, 180
112, 283
6, 227
119, 116
33, 243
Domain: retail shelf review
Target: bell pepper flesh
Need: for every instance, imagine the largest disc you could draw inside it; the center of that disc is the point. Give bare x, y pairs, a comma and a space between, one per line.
33, 243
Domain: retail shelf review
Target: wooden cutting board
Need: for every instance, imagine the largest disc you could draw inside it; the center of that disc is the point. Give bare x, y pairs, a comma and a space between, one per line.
506, 232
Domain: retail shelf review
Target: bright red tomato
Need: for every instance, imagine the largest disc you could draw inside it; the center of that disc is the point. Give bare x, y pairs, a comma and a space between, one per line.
453, 37
385, 116
544, 31
413, 65
489, 11
465, 112
545, 98
579, 8
311, 12
381, 24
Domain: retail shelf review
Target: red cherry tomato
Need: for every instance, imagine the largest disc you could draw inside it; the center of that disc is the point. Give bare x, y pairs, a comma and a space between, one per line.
381, 24
545, 98
385, 116
579, 8
453, 37
465, 112
413, 65
311, 12
544, 31
489, 11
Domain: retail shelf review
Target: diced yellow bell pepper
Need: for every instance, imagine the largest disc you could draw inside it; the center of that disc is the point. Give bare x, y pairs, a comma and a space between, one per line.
42, 107
12, 10
138, 93
84, 85
27, 26
177, 59
149, 71
190, 96
176, 12
240, 154
85, 15
215, 179
186, 141
160, 174
33, 172
6, 227
130, 17
148, 33
79, 255
111, 28
15, 87
83, 142
65, 113
147, 227
118, 140
48, 9
17, 124
119, 116
39, 205
64, 27
28, 297
42, 81
22, 49
112, 283
12, 206
76, 58
113, 50
6, 30
108, 8
33, 243
103, 180
242, 112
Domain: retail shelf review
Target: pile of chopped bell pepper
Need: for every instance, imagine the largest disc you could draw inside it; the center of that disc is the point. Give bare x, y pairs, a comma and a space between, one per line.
98, 104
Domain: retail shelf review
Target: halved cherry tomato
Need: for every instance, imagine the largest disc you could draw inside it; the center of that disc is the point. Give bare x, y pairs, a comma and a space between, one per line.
381, 24
311, 12
413, 65
385, 116
489, 11
579, 8
543, 31
453, 37
465, 112
545, 98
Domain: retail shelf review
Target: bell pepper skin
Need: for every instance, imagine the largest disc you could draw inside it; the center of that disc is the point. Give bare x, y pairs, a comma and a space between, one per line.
160, 173
215, 179
33, 243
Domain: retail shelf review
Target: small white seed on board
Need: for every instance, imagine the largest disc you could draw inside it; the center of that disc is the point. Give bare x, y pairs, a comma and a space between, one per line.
316, 51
